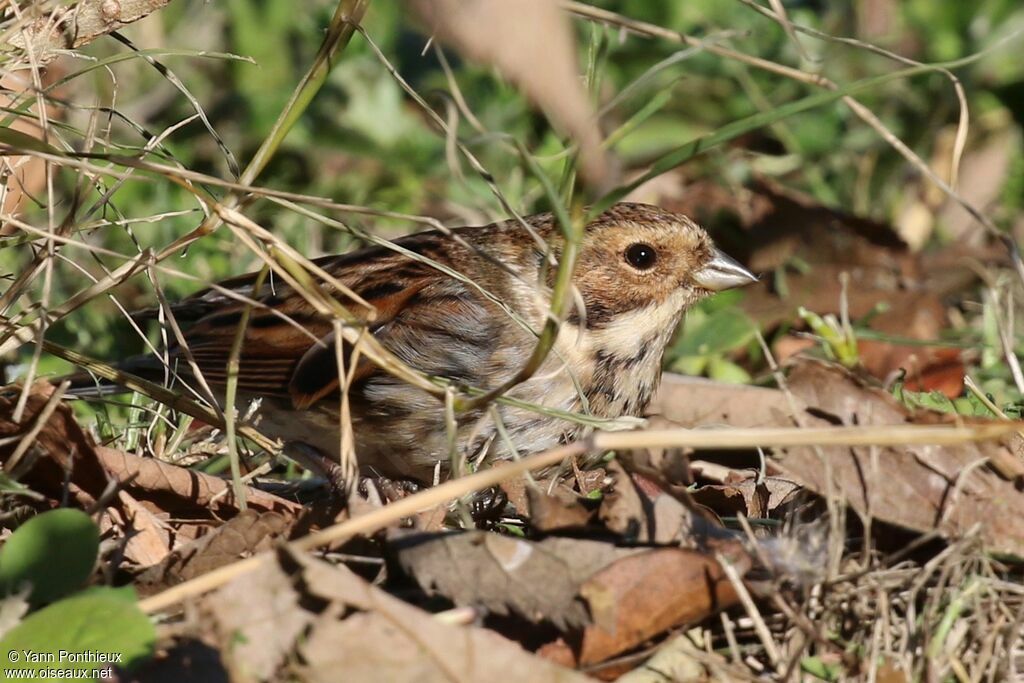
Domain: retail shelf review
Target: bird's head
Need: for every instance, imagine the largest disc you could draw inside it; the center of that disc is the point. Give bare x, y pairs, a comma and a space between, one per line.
637, 258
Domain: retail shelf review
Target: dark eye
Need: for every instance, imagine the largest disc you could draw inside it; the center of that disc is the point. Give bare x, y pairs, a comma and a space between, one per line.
641, 256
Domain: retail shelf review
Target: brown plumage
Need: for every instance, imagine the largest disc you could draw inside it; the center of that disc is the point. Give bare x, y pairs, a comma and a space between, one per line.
638, 270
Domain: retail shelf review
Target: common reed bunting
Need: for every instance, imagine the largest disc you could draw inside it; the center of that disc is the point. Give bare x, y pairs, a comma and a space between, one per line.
638, 269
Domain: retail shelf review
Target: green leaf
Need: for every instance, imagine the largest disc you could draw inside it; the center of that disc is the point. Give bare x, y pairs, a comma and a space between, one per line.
819, 669
721, 331
376, 107
969, 405
730, 298
54, 551
100, 621
690, 365
13, 487
17, 140
723, 370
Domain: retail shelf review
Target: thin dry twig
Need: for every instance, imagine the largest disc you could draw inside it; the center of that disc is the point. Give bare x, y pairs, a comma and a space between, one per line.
72, 26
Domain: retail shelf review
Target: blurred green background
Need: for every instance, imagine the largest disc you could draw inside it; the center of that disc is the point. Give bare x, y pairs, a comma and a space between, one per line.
363, 141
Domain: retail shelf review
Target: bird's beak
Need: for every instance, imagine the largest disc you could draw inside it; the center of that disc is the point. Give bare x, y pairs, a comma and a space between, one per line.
723, 272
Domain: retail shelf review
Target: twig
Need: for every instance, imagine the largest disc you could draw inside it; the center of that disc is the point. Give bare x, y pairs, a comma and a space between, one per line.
763, 634
880, 435
72, 27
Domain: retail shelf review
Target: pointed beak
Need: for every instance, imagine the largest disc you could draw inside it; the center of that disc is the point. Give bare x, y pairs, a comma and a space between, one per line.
723, 272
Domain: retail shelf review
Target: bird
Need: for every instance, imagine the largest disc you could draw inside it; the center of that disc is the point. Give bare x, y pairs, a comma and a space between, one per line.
464, 305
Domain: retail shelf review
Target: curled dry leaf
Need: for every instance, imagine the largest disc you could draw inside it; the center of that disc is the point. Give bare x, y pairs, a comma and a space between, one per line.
614, 597
147, 538
677, 659
741, 492
924, 488
393, 641
530, 42
538, 580
550, 505
376, 646
159, 507
653, 504
182, 489
648, 514
903, 291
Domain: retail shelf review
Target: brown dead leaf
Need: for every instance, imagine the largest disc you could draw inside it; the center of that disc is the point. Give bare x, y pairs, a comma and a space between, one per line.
248, 533
392, 641
432, 520
911, 307
902, 311
256, 619
780, 223
550, 505
181, 489
654, 517
667, 467
148, 538
742, 494
515, 491
60, 446
870, 289
696, 401
945, 488
158, 507
654, 503
28, 174
538, 580
801, 248
531, 43
640, 596
556, 511
982, 175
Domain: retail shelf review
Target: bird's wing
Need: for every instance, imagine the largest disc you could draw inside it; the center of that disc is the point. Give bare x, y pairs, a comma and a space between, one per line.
434, 323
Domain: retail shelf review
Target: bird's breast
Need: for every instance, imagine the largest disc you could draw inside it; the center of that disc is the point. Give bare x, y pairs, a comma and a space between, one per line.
619, 363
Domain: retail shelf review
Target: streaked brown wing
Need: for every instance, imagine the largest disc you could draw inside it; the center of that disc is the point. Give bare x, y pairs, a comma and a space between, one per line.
288, 351
434, 323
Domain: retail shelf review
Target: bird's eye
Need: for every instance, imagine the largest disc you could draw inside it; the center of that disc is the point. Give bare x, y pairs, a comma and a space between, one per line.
641, 256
